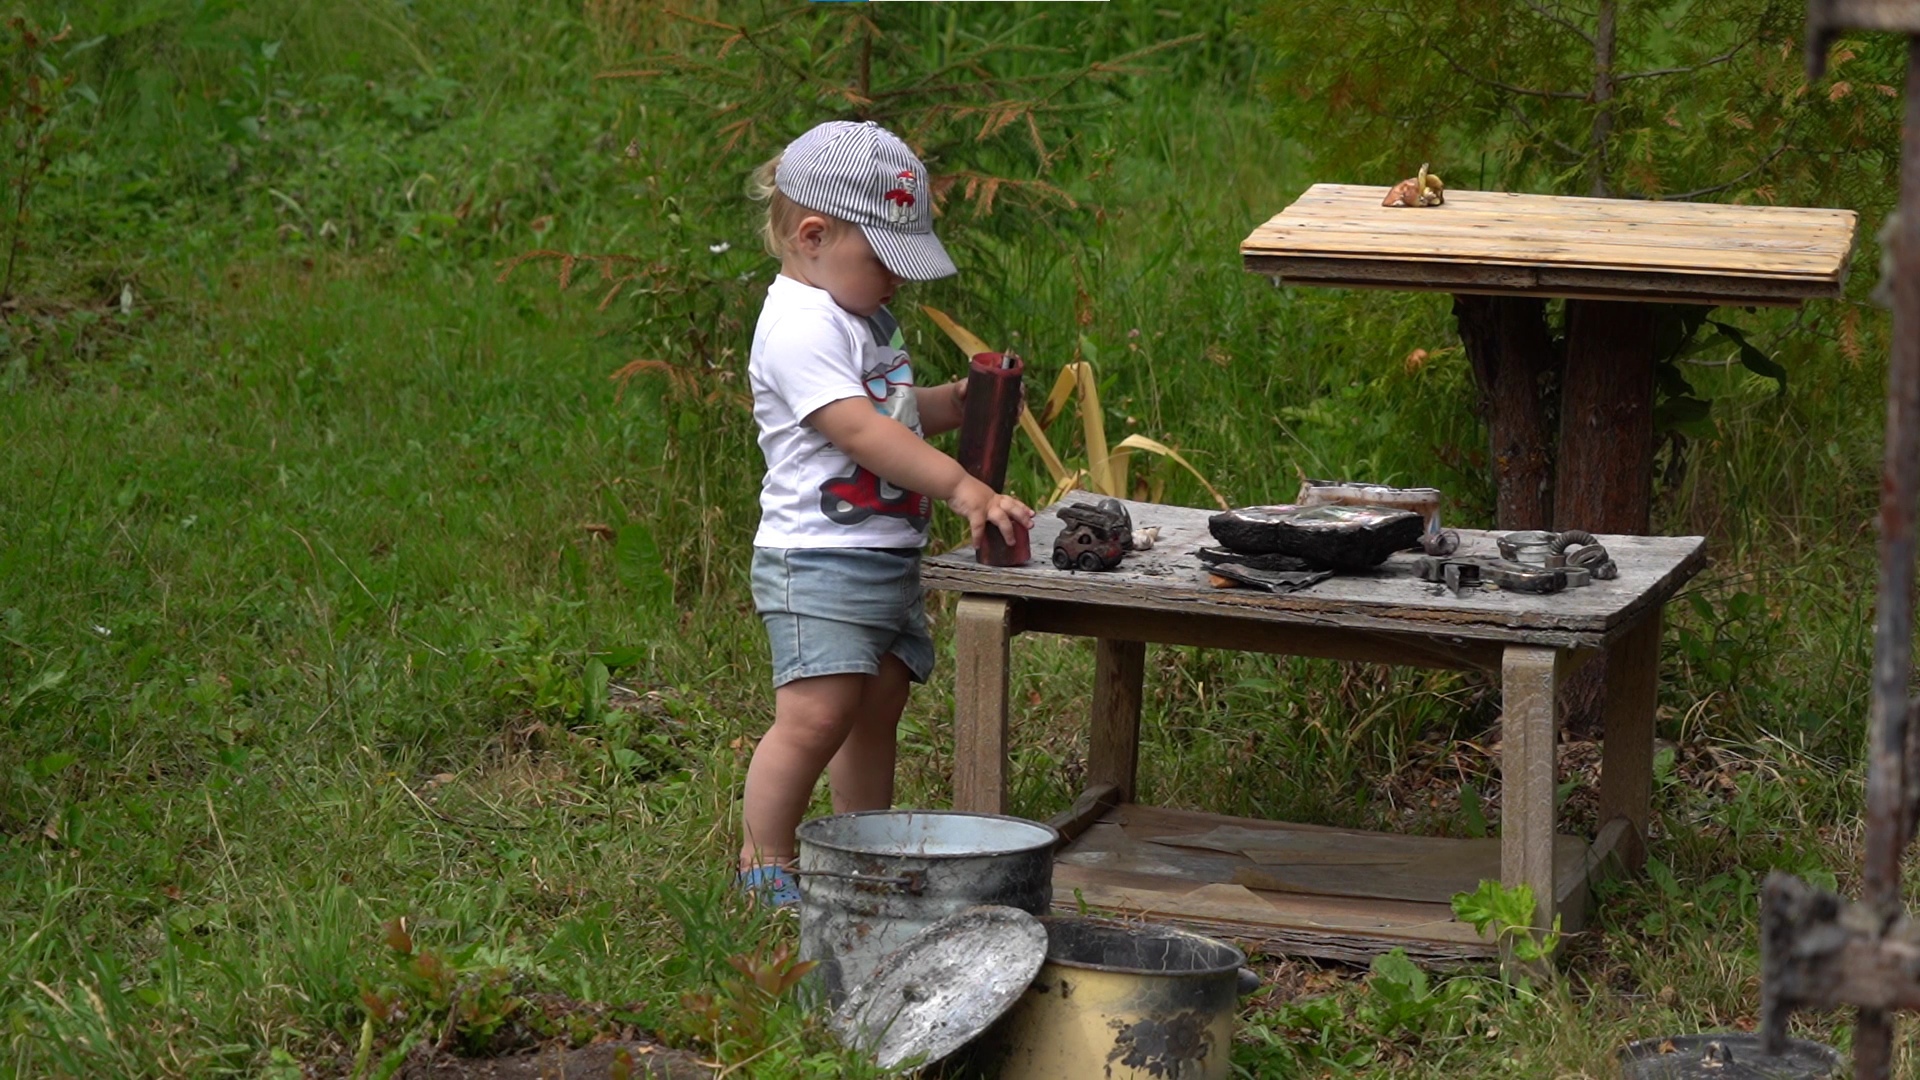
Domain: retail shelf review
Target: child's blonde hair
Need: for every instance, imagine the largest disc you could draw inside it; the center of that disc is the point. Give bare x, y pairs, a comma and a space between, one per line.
783, 214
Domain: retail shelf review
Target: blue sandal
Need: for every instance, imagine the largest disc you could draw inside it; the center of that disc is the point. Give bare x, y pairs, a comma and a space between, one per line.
771, 884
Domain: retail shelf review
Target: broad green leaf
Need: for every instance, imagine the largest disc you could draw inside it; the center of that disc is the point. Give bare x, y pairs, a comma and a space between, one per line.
1751, 357
595, 683
1690, 416
636, 559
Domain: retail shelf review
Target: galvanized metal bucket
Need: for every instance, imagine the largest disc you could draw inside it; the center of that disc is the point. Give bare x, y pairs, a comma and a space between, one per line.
872, 880
1122, 1002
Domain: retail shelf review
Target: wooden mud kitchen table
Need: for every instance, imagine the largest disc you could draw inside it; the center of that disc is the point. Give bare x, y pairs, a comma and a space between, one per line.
1303, 889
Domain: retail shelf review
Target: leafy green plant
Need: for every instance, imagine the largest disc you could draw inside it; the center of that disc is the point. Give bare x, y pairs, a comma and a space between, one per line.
37, 98
1681, 333
1397, 1008
526, 671
737, 973
1728, 643
461, 999
737, 1011
1508, 911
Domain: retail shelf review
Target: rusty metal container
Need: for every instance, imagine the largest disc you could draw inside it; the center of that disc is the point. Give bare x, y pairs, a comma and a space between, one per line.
1123, 1002
870, 881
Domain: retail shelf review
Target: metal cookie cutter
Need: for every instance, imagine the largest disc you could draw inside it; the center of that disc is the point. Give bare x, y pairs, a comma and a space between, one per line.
1529, 546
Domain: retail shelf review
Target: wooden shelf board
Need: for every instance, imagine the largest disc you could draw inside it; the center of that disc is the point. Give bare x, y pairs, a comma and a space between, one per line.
1388, 891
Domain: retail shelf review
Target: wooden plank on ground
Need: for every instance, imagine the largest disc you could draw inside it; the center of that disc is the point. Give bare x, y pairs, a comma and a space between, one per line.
1201, 880
1334, 928
1282, 843
1432, 878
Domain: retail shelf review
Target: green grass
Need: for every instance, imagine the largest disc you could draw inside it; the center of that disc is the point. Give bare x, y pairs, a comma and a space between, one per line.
298, 615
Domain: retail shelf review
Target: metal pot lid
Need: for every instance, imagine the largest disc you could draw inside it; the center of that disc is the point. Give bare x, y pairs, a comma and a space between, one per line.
1733, 1055
945, 986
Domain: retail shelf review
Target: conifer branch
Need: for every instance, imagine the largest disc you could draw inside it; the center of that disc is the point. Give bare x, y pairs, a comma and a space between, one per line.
1568, 95
1764, 162
1658, 72
1552, 17
1527, 123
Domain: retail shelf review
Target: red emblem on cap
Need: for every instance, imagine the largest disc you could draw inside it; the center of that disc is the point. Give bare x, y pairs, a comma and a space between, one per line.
900, 199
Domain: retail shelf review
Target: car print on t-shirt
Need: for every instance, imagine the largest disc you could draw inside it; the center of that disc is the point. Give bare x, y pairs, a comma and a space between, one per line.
859, 494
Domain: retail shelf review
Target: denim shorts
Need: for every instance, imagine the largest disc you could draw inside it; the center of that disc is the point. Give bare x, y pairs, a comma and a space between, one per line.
836, 611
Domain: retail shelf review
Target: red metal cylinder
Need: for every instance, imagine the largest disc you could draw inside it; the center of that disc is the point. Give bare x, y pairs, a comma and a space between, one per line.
986, 442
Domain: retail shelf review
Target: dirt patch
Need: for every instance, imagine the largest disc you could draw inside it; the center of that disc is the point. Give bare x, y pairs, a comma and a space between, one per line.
1427, 792
1286, 979
631, 1058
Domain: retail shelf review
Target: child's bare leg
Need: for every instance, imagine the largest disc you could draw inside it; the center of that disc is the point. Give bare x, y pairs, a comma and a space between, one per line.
861, 774
811, 718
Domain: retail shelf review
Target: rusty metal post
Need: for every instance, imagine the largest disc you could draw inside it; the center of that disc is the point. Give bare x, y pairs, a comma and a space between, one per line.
1893, 756
1888, 780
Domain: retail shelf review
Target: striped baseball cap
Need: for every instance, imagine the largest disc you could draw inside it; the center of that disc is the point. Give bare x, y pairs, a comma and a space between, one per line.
860, 172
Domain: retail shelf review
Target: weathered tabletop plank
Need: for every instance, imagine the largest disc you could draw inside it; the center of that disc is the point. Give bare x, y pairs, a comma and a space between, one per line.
1169, 579
1550, 245
1516, 242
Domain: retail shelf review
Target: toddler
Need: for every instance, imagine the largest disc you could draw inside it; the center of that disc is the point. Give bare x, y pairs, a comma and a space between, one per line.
850, 482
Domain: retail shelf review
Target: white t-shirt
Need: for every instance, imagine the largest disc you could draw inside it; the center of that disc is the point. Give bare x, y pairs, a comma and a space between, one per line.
808, 352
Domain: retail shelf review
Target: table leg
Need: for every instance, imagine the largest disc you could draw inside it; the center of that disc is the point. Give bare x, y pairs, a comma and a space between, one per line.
1529, 724
1626, 763
1113, 741
982, 629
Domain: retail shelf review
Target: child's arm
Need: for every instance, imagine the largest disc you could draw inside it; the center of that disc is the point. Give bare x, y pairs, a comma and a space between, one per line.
887, 447
941, 407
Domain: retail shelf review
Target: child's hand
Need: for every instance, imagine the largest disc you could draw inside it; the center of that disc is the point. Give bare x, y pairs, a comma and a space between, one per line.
982, 506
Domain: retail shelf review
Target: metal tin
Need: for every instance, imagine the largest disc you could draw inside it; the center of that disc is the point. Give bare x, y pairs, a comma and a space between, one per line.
1531, 546
869, 881
1424, 501
1733, 1055
1123, 1002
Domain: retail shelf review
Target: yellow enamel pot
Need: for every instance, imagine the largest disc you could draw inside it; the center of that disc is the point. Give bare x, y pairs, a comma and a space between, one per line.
1122, 1002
